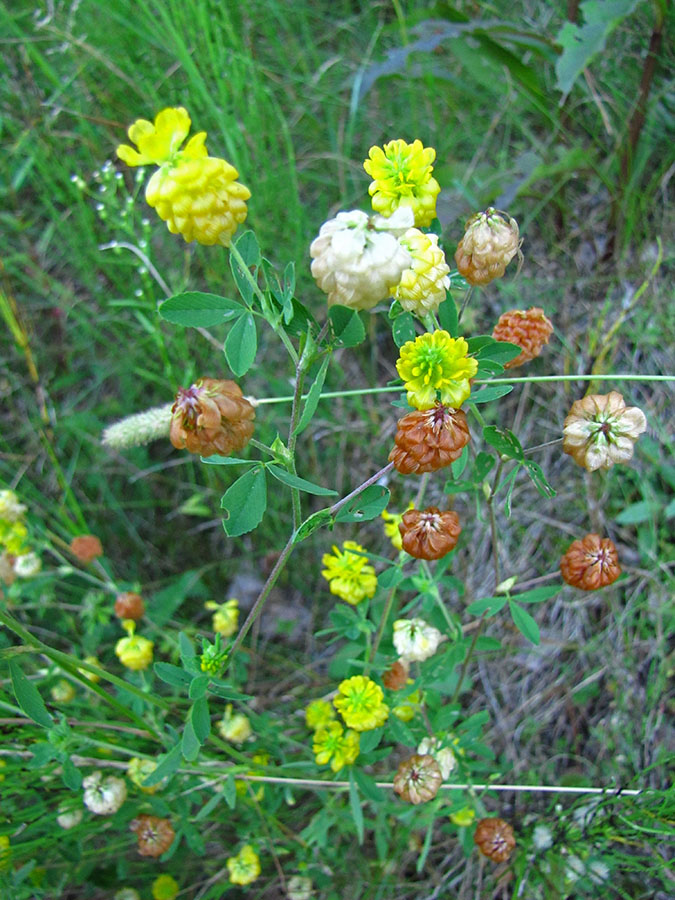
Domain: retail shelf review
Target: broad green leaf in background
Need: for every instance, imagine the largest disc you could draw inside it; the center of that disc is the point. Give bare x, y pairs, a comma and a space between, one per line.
199, 310
347, 326
245, 503
247, 245
171, 674
28, 697
501, 352
524, 623
581, 43
487, 605
241, 345
491, 392
538, 595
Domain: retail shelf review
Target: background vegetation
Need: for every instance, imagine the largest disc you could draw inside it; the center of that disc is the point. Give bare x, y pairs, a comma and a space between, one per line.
294, 94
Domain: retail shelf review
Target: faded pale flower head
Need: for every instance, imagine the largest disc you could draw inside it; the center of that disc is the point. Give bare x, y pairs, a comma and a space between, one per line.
542, 838
62, 691
245, 866
348, 573
436, 363
68, 816
360, 702
357, 258
104, 796
197, 195
444, 756
600, 430
27, 565
154, 835
211, 416
418, 779
234, 727
401, 174
332, 744
415, 640
423, 285
490, 242
300, 888
590, 563
494, 838
225, 616
127, 893
429, 533
10, 508
139, 429
138, 770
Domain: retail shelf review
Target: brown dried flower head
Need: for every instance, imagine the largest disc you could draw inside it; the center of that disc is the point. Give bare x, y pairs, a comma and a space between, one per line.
591, 563
418, 779
396, 677
129, 606
491, 240
427, 440
86, 548
494, 838
429, 533
528, 329
211, 416
154, 835
601, 430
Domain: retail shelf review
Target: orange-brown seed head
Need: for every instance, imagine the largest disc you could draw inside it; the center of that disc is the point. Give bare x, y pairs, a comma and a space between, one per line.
494, 838
154, 835
427, 440
591, 563
529, 329
211, 416
129, 606
429, 533
86, 548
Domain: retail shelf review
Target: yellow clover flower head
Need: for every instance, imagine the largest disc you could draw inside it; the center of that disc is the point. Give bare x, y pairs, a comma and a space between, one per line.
164, 887
348, 573
391, 523
5, 852
463, 817
319, 714
134, 651
62, 691
435, 362
407, 710
332, 744
401, 174
423, 285
138, 770
234, 727
245, 866
225, 616
361, 704
13, 537
197, 195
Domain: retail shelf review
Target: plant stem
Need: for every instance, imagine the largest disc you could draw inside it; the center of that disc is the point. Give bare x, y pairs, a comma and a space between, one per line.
292, 440
372, 480
465, 303
389, 602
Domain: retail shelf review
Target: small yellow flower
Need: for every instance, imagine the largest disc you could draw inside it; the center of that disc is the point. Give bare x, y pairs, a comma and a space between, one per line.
234, 727
225, 616
197, 195
164, 887
360, 702
5, 852
13, 537
319, 714
407, 710
391, 523
134, 652
260, 759
348, 574
91, 676
436, 362
335, 745
245, 866
401, 174
463, 817
423, 285
62, 692
140, 769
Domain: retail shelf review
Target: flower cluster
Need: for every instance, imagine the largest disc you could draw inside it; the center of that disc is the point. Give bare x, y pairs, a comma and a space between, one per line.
17, 558
391, 526
590, 563
423, 285
600, 430
332, 744
429, 533
225, 616
319, 714
348, 573
104, 796
490, 242
154, 835
244, 868
401, 174
197, 195
418, 779
211, 416
429, 440
133, 651
494, 838
361, 704
129, 605
234, 727
435, 363
528, 329
140, 769
86, 548
415, 640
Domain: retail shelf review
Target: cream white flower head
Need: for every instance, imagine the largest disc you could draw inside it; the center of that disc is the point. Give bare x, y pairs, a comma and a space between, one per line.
600, 431
415, 640
104, 796
444, 756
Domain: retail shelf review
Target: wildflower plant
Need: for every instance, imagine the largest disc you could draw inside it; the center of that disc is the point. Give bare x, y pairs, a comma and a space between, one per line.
382, 723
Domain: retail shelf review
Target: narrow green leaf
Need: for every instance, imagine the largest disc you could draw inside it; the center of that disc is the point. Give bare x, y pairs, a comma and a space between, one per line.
72, 777
200, 718
313, 397
537, 595
190, 743
199, 310
355, 804
187, 650
245, 503
166, 767
198, 686
368, 505
366, 783
635, 513
241, 345
173, 675
501, 352
504, 441
230, 791
536, 473
28, 697
301, 483
447, 316
403, 329
311, 524
347, 326
524, 623
227, 461
488, 605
